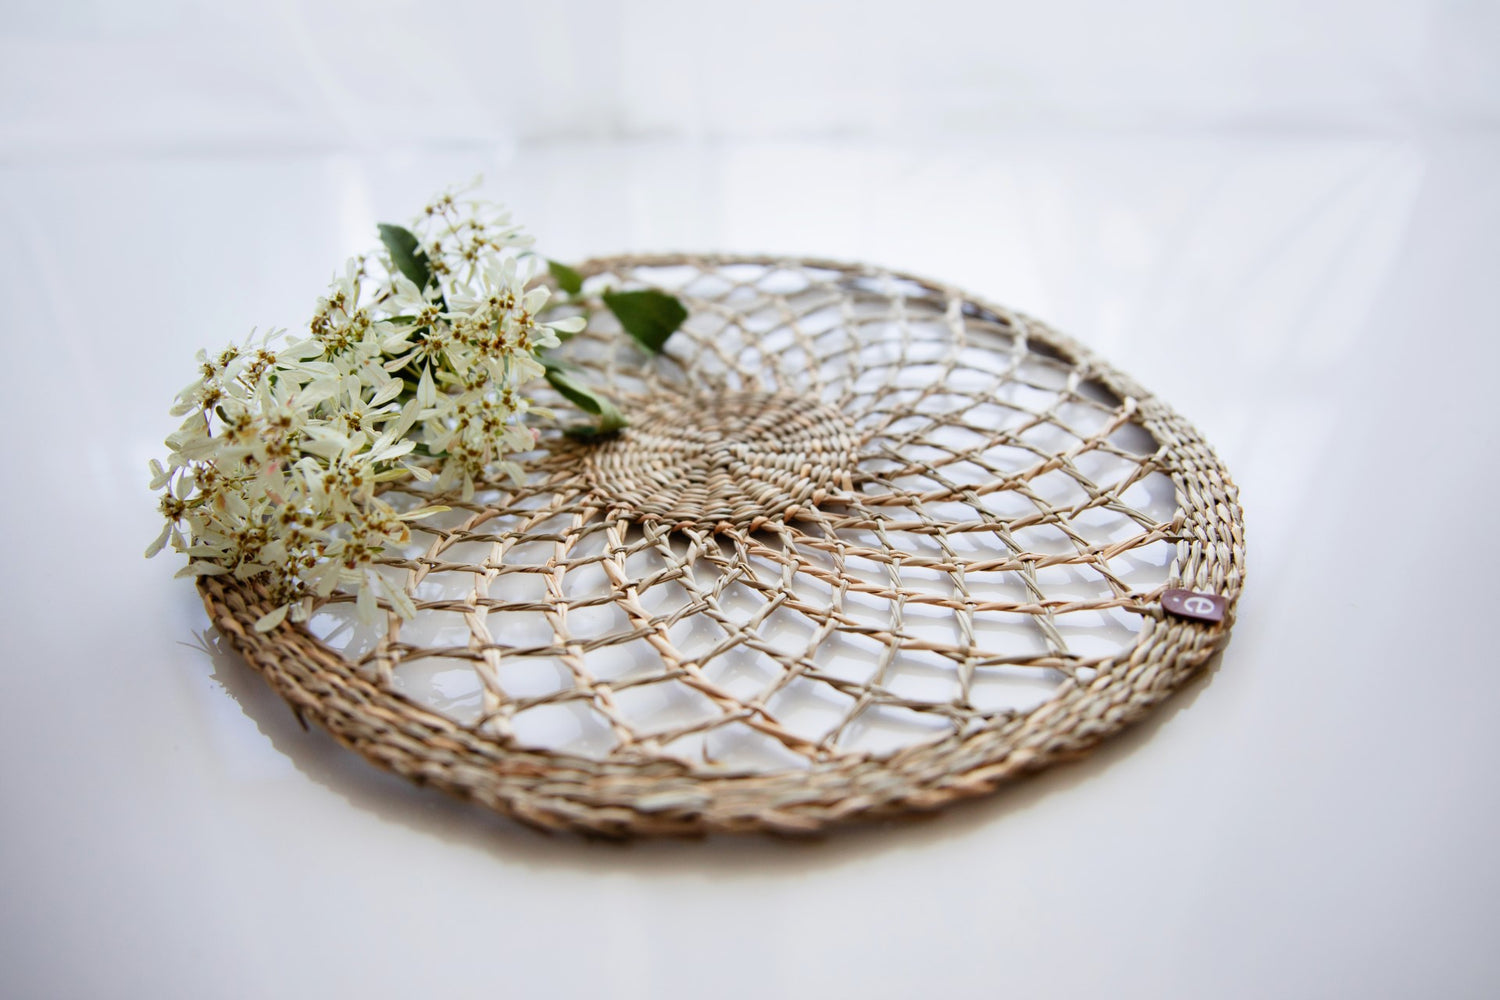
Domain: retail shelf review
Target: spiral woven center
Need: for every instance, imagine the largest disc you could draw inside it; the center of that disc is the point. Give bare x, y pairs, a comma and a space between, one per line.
738, 459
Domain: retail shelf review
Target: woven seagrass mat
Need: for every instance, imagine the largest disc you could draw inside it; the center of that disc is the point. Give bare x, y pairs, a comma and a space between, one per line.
870, 545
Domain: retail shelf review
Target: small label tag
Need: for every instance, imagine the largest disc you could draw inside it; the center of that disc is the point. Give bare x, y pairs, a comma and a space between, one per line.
1192, 604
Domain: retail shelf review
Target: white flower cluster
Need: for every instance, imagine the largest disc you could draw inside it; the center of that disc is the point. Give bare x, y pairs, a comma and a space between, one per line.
275, 469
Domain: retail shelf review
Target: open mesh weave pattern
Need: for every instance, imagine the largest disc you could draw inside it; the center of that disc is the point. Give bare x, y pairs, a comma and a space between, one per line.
869, 545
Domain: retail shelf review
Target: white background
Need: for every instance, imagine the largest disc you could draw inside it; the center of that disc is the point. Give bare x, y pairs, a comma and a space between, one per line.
1281, 216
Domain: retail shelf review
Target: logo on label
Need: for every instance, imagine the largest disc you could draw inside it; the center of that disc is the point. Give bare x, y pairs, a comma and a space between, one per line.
1192, 604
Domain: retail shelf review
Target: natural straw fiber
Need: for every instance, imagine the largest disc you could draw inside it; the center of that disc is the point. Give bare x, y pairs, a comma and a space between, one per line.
870, 545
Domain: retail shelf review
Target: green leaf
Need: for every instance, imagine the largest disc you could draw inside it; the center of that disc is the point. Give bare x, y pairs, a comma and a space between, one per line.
649, 316
407, 254
591, 432
568, 279
610, 418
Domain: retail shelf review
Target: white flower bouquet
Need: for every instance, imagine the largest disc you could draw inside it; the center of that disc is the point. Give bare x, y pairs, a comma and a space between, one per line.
415, 365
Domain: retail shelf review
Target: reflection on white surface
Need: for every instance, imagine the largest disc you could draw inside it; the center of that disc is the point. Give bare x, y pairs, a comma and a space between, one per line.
448, 687
1308, 286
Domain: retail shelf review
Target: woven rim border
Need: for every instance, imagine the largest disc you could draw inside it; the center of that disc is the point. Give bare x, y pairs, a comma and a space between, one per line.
556, 791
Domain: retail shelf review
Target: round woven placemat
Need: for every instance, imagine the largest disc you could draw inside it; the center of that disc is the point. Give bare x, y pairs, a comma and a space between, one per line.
870, 545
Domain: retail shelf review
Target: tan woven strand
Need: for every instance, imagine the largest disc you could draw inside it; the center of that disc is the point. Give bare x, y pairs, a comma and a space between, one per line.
829, 457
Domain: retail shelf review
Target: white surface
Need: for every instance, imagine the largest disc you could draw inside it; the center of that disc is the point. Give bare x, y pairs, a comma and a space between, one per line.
1293, 242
